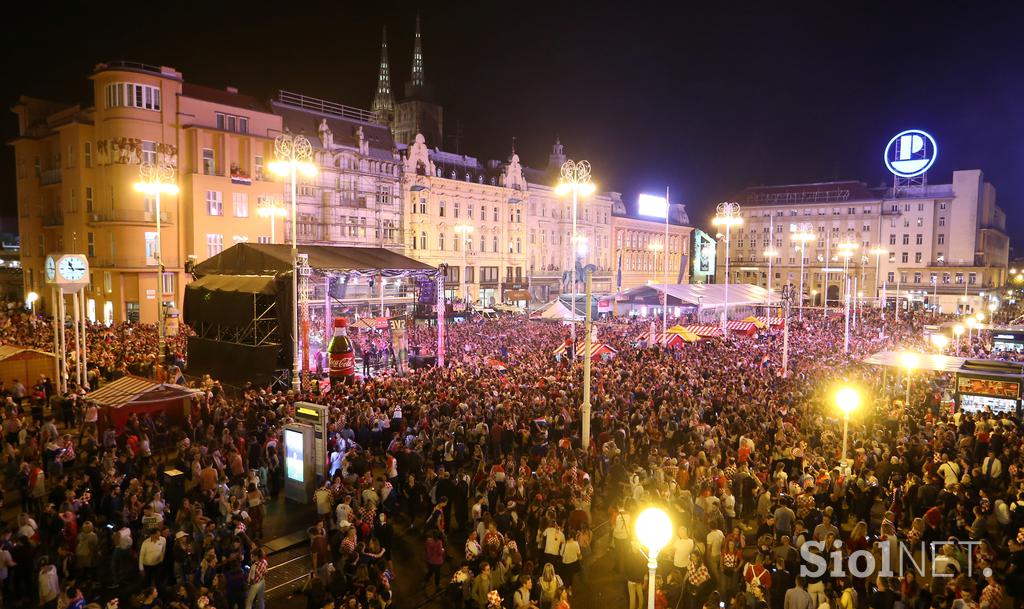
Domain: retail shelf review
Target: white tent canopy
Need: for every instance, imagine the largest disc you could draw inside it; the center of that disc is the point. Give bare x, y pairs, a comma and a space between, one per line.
556, 310
705, 295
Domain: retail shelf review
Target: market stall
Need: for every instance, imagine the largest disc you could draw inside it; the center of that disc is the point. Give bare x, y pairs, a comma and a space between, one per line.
598, 351
24, 364
129, 395
705, 331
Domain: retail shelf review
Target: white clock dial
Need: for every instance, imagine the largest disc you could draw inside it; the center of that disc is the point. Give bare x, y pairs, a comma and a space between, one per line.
72, 269
51, 268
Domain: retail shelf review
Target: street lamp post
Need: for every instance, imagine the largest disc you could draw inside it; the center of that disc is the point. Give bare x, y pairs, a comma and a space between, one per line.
848, 399
294, 155
653, 531
154, 180
269, 208
464, 231
801, 238
846, 251
575, 180
971, 322
770, 254
958, 331
727, 215
656, 247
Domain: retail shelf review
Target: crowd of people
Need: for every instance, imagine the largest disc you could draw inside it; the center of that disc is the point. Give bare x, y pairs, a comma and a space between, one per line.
485, 471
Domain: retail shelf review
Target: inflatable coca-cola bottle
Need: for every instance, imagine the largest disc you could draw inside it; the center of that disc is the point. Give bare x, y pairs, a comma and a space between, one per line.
341, 355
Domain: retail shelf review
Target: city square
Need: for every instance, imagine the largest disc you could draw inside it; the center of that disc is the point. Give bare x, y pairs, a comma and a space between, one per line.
429, 322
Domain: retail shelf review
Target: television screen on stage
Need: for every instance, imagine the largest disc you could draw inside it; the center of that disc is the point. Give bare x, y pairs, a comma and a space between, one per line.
652, 206
989, 387
293, 451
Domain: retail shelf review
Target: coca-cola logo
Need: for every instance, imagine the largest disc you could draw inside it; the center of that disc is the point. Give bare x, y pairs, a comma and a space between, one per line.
343, 363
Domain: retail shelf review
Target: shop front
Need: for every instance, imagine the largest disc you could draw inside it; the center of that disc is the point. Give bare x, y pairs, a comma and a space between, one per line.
989, 385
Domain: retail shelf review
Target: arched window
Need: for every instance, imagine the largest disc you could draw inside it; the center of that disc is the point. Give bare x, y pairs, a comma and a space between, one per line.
494, 243
423, 240
519, 245
483, 244
440, 241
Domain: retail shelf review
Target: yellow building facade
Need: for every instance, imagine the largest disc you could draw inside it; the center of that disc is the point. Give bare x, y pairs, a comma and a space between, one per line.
77, 166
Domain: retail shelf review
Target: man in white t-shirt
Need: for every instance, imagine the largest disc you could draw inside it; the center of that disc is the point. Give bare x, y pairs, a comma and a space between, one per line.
681, 548
714, 555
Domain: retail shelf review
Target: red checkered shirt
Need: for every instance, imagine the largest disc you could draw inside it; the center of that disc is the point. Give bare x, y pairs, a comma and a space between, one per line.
698, 576
992, 596
258, 571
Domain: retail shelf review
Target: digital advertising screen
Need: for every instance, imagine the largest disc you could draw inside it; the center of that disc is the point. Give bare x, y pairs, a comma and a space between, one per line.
988, 387
294, 464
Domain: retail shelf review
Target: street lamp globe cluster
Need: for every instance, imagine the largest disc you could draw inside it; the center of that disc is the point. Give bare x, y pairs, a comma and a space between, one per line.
269, 208
653, 531
575, 180
847, 399
294, 156
155, 180
727, 215
801, 238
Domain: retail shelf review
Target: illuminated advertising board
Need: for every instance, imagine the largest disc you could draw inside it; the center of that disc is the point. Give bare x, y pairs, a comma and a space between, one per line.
652, 206
294, 465
910, 153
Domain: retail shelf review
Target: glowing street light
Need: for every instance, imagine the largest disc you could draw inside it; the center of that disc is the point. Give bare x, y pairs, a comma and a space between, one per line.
575, 180
801, 238
908, 360
770, 254
941, 341
30, 301
653, 530
958, 331
154, 180
269, 208
464, 231
727, 215
847, 399
293, 156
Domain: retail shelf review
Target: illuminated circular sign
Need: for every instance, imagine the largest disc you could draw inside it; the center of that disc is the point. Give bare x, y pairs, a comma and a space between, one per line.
910, 153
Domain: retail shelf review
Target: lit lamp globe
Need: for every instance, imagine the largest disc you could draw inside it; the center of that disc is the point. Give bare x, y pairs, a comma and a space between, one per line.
908, 360
958, 330
848, 399
653, 529
993, 307
971, 322
940, 341
980, 317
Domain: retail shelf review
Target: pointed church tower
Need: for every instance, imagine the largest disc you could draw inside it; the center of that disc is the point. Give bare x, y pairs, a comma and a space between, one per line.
417, 57
417, 113
384, 100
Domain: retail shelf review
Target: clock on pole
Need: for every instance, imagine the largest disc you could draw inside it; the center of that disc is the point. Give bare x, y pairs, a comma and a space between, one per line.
72, 271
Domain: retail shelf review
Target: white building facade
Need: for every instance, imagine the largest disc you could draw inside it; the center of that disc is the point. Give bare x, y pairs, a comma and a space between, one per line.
937, 245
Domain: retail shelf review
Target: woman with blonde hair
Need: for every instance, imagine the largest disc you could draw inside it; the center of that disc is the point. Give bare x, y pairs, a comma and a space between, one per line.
550, 583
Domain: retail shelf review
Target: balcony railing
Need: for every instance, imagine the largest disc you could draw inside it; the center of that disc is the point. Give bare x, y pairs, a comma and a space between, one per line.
133, 262
129, 216
53, 220
50, 176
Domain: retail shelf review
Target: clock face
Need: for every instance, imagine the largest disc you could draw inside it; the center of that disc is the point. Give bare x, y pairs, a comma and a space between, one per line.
51, 268
72, 268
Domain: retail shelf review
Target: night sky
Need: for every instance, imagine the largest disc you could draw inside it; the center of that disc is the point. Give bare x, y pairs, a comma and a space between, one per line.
707, 97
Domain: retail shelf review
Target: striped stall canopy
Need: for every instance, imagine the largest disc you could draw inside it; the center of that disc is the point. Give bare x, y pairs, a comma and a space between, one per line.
705, 331
774, 322
745, 327
131, 388
595, 349
672, 339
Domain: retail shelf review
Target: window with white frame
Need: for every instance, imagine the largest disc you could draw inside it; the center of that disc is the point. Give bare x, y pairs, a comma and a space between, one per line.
240, 204
148, 152
942, 239
132, 95
168, 283
151, 245
214, 203
259, 167
87, 149
263, 239
214, 244
209, 166
91, 244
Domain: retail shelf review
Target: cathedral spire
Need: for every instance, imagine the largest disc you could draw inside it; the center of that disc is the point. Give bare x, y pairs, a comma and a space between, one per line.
417, 57
384, 100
